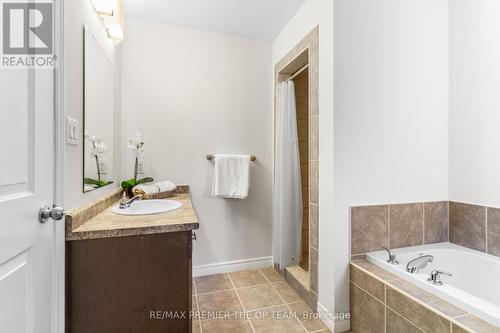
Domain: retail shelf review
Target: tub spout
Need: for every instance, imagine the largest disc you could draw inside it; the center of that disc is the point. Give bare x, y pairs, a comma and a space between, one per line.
416, 264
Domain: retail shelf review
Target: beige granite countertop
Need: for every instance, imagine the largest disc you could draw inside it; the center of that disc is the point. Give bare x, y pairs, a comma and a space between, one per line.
107, 224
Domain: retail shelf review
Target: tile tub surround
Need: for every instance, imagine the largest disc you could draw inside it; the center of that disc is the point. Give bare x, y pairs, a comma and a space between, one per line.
251, 292
473, 226
383, 303
493, 231
400, 225
468, 225
96, 220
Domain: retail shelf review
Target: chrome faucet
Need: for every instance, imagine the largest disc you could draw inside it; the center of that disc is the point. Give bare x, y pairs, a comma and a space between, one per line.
392, 256
421, 262
435, 277
126, 203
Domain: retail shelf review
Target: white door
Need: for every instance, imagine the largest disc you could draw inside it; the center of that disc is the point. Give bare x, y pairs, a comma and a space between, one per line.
26, 184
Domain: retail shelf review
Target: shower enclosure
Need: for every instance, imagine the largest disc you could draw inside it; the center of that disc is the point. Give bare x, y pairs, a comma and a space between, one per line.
291, 167
296, 167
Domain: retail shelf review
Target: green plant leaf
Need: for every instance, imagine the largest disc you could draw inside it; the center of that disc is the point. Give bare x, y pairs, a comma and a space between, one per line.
145, 180
90, 181
102, 183
98, 183
128, 183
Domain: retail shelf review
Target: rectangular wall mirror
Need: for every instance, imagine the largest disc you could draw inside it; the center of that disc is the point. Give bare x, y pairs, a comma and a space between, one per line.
98, 99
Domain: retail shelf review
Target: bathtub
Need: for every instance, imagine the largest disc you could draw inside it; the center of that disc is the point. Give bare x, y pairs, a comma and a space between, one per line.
474, 286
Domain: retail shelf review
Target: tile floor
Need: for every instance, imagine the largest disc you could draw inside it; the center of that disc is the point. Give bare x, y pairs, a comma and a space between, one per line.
253, 301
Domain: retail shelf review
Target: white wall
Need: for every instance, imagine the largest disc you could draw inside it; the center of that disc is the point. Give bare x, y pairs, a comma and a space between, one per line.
194, 93
391, 111
313, 13
77, 13
475, 101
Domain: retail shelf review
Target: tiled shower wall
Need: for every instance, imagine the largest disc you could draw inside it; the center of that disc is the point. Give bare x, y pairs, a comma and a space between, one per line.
302, 101
393, 226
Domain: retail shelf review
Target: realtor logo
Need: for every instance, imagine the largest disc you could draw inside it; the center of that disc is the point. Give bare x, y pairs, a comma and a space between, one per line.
27, 28
27, 34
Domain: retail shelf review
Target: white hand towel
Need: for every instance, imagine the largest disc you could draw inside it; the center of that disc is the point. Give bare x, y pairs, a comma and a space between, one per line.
231, 176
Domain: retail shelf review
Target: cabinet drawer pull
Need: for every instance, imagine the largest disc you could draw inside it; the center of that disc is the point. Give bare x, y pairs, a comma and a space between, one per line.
194, 236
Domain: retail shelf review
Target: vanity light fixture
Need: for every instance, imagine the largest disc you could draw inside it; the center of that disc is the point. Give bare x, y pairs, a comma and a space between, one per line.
111, 14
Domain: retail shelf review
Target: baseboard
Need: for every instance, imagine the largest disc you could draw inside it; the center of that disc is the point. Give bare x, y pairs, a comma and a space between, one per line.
338, 326
232, 266
342, 326
324, 315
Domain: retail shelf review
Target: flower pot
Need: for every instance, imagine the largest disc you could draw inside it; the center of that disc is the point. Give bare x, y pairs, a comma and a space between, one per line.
129, 192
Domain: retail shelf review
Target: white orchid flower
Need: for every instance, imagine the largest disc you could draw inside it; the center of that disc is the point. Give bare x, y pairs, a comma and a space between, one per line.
90, 136
136, 143
97, 145
98, 148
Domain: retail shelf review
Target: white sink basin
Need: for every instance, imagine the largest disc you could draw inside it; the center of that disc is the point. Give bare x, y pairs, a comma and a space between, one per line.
148, 207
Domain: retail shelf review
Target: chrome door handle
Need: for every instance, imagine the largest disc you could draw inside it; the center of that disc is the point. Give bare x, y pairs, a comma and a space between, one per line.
45, 212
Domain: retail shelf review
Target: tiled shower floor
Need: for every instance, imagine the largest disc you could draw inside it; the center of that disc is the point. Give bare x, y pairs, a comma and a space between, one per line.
253, 301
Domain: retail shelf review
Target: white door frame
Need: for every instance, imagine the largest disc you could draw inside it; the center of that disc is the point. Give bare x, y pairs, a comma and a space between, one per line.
59, 229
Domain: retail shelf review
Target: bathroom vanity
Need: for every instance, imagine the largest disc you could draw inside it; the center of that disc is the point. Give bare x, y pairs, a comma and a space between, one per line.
129, 273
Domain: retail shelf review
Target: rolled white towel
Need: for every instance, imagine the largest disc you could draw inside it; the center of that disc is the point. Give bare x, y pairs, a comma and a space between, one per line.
166, 186
146, 190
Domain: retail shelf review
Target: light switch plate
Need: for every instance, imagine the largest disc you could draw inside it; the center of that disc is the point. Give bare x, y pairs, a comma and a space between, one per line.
141, 167
103, 166
71, 131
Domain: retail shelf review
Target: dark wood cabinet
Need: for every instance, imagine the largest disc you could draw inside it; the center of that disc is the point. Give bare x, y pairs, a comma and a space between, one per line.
136, 284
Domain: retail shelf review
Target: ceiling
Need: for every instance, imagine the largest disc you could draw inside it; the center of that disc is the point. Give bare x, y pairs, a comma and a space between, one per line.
262, 19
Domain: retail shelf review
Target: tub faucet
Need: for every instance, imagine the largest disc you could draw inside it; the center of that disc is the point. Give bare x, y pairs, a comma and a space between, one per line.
416, 264
392, 256
435, 277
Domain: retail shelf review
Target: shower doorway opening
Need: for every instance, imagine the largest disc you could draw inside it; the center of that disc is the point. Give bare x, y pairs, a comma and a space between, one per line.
300, 67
